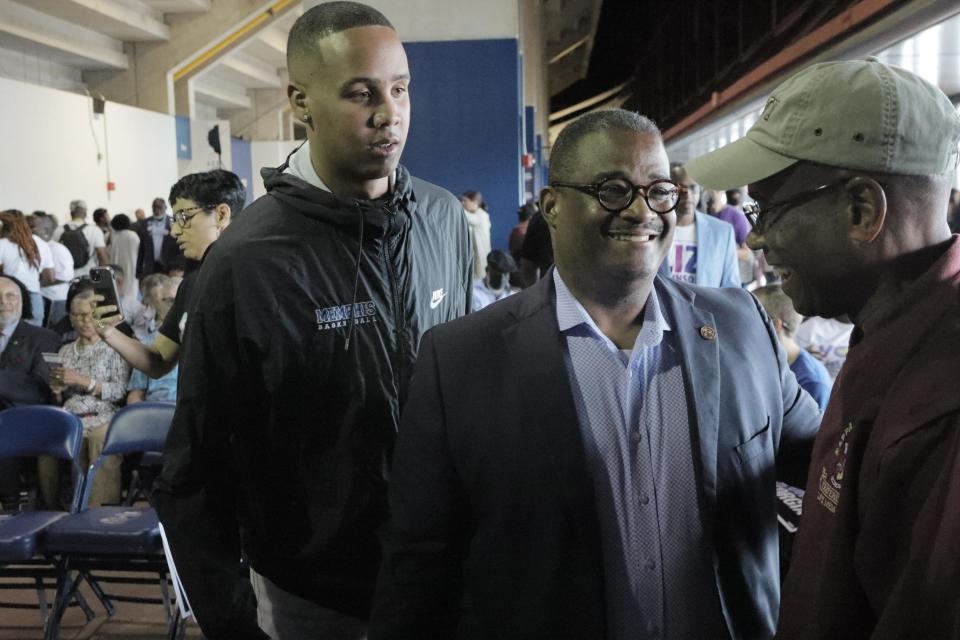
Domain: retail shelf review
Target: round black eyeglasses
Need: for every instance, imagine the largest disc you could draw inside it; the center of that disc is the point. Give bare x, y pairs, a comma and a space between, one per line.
616, 194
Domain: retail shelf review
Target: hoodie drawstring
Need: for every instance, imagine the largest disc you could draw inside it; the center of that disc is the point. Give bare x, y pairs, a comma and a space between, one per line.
356, 284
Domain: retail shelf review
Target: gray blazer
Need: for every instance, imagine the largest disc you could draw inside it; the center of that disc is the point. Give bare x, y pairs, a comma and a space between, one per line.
23, 373
494, 530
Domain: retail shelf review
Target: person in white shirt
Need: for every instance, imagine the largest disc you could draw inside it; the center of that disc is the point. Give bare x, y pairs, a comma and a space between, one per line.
827, 340
54, 285
95, 239
130, 305
475, 209
124, 249
24, 256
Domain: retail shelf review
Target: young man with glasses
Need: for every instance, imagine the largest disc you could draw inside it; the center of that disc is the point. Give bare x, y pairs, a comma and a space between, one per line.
851, 165
623, 483
203, 204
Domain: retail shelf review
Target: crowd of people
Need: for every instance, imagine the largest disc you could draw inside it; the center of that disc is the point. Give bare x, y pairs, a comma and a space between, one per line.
91, 358
386, 428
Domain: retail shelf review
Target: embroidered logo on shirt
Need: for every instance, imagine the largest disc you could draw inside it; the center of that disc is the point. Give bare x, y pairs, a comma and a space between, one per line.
831, 480
437, 297
339, 316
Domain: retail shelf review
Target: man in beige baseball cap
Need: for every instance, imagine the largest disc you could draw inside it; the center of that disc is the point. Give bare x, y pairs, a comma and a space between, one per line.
851, 165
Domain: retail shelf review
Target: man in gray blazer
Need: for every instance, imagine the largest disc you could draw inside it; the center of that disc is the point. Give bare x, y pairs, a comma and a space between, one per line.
23, 372
596, 456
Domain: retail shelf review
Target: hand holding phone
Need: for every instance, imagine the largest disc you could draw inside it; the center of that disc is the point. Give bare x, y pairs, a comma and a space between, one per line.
108, 311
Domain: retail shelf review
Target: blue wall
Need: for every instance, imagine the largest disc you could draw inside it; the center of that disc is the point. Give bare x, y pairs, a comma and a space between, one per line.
465, 130
242, 164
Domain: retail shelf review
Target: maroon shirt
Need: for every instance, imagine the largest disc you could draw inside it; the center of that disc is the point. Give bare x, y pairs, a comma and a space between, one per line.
878, 553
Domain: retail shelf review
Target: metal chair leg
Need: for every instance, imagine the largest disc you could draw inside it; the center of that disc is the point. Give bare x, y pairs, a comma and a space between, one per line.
82, 603
100, 593
168, 605
42, 599
173, 626
66, 588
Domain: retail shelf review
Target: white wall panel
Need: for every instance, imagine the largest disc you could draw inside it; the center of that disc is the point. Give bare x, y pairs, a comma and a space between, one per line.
52, 140
143, 156
269, 153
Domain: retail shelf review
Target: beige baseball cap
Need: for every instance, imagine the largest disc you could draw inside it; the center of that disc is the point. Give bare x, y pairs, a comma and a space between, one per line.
854, 114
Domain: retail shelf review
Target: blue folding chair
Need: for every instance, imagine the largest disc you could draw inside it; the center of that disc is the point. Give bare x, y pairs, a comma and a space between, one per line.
113, 538
36, 431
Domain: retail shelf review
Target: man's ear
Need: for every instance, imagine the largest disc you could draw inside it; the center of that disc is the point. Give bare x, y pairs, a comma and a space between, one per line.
777, 324
867, 209
298, 101
223, 215
548, 206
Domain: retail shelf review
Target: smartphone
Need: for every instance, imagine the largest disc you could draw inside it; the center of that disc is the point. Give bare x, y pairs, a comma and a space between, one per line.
104, 284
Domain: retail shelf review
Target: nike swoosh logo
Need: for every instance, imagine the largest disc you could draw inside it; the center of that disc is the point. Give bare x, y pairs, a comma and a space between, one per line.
435, 302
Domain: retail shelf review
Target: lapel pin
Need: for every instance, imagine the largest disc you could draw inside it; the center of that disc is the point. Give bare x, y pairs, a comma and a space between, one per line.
708, 333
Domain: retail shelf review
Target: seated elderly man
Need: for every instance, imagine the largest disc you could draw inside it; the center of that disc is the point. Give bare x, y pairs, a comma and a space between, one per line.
90, 384
23, 371
159, 293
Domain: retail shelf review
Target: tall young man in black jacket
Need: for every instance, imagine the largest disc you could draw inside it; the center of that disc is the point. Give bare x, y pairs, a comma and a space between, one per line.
298, 351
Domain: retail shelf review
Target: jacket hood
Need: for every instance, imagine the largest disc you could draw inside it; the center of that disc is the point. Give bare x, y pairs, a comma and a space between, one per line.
379, 216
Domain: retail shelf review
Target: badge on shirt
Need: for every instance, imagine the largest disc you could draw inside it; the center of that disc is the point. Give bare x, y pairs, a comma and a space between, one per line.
831, 474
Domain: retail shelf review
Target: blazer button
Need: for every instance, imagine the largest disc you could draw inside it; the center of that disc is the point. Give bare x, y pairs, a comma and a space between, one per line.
708, 333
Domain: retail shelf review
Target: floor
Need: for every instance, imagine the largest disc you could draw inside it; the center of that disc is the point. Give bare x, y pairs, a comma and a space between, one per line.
132, 621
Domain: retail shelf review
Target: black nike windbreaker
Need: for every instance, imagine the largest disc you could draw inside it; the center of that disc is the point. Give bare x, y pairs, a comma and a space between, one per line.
296, 359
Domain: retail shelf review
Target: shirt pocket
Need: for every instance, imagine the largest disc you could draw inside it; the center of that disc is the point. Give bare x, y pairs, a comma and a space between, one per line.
755, 446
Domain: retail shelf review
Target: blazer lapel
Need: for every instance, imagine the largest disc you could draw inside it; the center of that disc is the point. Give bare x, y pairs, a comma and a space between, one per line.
13, 344
698, 342
550, 416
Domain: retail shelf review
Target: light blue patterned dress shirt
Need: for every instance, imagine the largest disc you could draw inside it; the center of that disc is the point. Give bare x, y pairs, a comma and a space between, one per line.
162, 389
643, 457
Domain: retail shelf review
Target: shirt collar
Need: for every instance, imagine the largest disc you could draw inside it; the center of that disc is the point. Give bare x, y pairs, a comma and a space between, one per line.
571, 314
301, 166
10, 327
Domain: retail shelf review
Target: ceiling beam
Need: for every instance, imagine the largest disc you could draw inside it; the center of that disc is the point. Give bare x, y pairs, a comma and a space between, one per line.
125, 20
275, 39
220, 93
256, 73
65, 42
179, 6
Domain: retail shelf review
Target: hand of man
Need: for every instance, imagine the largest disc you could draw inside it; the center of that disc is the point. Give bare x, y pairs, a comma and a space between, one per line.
105, 316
